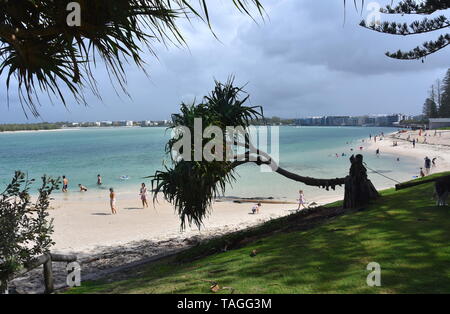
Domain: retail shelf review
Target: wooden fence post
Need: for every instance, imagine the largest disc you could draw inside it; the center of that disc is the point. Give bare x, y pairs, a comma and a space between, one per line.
48, 275
4, 287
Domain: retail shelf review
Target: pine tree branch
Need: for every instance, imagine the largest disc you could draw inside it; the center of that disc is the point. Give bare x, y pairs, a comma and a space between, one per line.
427, 49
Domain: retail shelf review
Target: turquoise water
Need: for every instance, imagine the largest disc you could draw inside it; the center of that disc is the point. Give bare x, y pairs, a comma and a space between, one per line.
138, 152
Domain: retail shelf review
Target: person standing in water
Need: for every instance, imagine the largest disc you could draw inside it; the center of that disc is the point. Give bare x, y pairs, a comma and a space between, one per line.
301, 200
112, 201
65, 184
143, 194
99, 179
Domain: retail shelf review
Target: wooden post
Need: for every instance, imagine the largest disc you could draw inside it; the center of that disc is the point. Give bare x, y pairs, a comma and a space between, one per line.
48, 276
4, 287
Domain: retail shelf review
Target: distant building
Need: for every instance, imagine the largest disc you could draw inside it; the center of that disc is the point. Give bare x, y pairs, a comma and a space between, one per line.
439, 123
376, 120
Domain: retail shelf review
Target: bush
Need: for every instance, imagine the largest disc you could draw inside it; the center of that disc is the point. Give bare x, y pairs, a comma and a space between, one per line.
25, 231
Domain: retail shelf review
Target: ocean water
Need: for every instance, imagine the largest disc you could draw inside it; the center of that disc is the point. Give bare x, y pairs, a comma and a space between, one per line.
138, 152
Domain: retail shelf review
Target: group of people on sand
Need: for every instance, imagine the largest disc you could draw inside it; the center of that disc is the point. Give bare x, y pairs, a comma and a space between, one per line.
301, 203
143, 193
429, 163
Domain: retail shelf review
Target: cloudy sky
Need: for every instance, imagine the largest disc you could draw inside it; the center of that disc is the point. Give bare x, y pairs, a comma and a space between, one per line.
303, 60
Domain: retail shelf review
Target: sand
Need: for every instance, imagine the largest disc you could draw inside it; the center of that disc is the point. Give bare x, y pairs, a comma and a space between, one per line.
84, 223
435, 147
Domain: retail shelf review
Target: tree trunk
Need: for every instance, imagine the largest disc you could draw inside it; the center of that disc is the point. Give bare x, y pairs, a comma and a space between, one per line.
359, 190
4, 287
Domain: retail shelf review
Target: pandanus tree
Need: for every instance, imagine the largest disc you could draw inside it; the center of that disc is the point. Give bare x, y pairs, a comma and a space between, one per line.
52, 46
204, 154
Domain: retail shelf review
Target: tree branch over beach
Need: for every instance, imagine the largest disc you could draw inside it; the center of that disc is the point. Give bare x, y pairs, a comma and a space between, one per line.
191, 183
47, 50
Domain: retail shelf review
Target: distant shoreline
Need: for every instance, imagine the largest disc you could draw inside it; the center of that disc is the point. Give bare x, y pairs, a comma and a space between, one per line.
77, 129
135, 127
43, 130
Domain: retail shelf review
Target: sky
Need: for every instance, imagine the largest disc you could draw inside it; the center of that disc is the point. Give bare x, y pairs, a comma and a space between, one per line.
304, 59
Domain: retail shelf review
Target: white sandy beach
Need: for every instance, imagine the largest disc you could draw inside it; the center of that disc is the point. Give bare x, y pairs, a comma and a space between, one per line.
434, 147
84, 222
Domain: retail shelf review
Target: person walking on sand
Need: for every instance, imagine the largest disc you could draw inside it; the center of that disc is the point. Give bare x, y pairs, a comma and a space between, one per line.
65, 184
99, 179
427, 165
112, 201
301, 200
143, 193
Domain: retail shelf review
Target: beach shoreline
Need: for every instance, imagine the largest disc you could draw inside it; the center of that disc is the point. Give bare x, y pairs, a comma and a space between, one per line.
432, 149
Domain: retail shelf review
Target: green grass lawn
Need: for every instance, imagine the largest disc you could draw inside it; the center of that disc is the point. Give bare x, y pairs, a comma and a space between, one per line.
403, 231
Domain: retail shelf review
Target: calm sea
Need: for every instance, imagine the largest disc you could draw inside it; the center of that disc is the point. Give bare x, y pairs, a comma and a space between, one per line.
138, 152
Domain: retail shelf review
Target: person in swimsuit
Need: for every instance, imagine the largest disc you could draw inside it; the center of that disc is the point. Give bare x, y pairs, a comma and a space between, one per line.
65, 184
99, 180
82, 188
112, 201
143, 194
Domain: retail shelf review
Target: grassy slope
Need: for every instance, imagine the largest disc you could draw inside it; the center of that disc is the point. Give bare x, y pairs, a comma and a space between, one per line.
403, 231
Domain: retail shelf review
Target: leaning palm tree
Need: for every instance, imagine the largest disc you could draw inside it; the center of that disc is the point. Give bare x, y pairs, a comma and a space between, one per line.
191, 184
51, 50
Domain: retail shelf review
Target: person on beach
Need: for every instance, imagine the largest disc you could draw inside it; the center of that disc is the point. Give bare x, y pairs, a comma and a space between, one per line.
82, 188
99, 179
414, 143
377, 152
422, 174
255, 209
112, 201
65, 184
301, 200
427, 165
433, 161
143, 193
